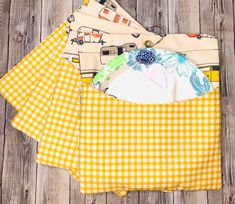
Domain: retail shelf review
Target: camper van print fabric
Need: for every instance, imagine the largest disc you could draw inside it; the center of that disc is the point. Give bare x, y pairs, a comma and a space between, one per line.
83, 32
60, 112
153, 73
100, 41
109, 10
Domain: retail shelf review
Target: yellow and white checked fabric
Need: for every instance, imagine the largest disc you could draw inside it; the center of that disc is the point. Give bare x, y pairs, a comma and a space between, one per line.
45, 89
19, 82
32, 117
127, 146
59, 142
34, 110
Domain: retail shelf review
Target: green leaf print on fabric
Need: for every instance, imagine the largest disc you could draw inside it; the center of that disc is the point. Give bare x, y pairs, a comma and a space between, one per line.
112, 66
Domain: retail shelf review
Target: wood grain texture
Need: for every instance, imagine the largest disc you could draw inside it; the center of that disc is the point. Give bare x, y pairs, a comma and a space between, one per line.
225, 31
4, 24
184, 17
23, 24
19, 168
53, 185
74, 194
157, 15
207, 25
132, 197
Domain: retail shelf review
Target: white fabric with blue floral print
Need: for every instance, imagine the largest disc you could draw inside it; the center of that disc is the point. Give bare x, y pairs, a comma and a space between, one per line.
152, 76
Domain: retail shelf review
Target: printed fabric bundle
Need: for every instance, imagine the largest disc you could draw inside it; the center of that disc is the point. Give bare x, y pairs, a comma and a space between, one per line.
119, 107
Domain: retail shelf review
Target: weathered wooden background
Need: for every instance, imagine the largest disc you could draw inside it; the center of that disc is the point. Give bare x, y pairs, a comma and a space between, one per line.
25, 23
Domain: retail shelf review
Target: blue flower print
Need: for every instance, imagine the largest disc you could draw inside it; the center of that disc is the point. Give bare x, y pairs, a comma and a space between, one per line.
200, 88
146, 57
177, 62
140, 60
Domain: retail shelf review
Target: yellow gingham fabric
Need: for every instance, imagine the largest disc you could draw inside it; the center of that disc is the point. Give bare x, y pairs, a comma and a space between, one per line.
19, 82
45, 89
54, 103
32, 117
127, 146
34, 109
59, 142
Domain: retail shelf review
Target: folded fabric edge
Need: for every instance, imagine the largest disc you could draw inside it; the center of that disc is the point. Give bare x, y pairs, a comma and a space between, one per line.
10, 96
164, 190
24, 130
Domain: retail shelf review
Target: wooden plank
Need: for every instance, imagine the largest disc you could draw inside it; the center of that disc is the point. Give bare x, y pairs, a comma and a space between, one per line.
99, 198
184, 18
18, 148
149, 197
53, 184
19, 167
153, 13
207, 25
53, 14
77, 4
75, 195
133, 196
4, 23
215, 197
207, 17
129, 6
224, 26
196, 197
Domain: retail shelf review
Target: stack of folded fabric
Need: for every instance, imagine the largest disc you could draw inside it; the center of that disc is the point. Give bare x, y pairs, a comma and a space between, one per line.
119, 107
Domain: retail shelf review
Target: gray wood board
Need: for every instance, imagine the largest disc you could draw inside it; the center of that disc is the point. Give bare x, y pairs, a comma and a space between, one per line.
23, 24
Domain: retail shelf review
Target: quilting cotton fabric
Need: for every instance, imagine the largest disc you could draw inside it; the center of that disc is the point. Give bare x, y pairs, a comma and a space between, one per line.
100, 41
152, 76
49, 158
90, 34
32, 117
59, 143
126, 146
202, 52
110, 11
19, 84
22, 79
